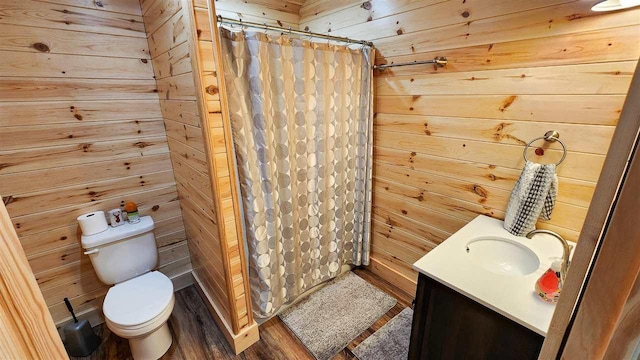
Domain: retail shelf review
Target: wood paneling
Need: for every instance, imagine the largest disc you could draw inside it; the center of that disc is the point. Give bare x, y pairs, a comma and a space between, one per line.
186, 65
599, 224
76, 112
58, 41
613, 44
448, 141
605, 321
14, 161
221, 147
27, 330
168, 32
21, 137
82, 130
168, 36
270, 12
23, 89
58, 15
177, 27
72, 66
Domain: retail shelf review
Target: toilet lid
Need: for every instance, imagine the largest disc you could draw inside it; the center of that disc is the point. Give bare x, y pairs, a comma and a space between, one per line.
138, 300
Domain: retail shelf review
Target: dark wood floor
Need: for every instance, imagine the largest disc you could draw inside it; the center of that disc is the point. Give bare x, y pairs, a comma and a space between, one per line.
196, 335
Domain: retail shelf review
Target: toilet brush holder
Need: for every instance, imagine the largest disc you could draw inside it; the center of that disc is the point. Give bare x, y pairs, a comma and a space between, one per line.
80, 340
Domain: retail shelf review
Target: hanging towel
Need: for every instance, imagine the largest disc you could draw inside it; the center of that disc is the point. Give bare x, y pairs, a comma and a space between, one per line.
532, 197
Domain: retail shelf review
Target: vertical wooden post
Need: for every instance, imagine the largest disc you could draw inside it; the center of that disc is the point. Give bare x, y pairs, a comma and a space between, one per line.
609, 196
27, 330
611, 282
242, 331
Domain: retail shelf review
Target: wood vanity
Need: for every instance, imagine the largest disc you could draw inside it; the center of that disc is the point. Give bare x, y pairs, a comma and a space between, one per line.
475, 297
449, 325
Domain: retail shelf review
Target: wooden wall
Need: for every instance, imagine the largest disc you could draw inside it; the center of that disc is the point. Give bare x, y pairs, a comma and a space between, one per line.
182, 52
81, 130
448, 142
229, 228
271, 12
27, 330
168, 31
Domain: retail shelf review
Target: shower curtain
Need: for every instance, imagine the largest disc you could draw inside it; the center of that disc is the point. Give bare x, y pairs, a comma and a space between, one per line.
301, 115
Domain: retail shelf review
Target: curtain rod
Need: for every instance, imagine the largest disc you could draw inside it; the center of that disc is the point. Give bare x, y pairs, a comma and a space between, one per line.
291, 31
440, 61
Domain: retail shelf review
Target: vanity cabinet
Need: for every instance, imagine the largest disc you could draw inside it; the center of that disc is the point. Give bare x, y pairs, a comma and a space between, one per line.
449, 325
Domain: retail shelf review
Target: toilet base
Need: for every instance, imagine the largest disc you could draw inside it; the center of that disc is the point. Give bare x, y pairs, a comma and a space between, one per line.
151, 346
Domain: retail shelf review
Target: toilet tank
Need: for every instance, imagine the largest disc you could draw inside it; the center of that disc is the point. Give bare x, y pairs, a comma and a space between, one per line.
124, 252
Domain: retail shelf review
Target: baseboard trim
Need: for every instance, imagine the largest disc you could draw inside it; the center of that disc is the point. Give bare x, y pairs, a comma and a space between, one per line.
182, 281
394, 277
96, 317
239, 342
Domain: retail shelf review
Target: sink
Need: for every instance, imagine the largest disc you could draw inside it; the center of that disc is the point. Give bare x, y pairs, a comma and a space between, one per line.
502, 256
499, 271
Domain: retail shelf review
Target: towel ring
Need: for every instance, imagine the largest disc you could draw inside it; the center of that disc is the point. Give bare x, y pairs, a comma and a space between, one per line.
551, 136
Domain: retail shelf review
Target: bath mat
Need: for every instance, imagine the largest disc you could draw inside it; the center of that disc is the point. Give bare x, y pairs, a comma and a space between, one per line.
329, 319
390, 342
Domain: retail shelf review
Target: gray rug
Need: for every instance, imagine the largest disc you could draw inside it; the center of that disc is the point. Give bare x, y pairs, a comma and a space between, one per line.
329, 319
390, 342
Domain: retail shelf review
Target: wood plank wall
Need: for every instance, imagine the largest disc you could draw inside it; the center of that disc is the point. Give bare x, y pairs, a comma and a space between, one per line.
81, 130
27, 330
271, 12
168, 33
229, 228
182, 52
199, 138
448, 142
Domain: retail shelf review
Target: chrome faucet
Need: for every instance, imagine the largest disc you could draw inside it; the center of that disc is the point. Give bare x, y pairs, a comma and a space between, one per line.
565, 247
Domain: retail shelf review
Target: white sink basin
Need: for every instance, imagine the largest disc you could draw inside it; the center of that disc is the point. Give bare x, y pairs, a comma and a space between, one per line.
502, 256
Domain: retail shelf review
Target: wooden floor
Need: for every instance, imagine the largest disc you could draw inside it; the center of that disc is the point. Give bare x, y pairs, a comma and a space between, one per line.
196, 335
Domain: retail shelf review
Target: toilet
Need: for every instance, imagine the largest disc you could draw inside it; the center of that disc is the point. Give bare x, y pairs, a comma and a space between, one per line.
138, 305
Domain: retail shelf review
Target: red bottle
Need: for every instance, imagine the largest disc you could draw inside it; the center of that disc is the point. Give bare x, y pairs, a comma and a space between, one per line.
549, 285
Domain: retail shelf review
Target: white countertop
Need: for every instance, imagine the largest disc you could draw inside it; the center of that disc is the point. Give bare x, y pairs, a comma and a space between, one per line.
512, 296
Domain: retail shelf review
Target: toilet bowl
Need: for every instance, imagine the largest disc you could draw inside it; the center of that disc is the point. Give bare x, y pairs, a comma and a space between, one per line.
139, 304
138, 310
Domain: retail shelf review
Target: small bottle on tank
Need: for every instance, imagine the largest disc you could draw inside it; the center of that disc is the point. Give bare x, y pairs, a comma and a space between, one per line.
132, 212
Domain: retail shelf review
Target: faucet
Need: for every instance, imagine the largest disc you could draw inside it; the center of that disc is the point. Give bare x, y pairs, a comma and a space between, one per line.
565, 247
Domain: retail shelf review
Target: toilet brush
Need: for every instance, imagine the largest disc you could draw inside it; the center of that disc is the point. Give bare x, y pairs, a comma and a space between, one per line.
80, 340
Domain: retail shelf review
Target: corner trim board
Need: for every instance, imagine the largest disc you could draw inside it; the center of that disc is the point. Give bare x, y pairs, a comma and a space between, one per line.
239, 342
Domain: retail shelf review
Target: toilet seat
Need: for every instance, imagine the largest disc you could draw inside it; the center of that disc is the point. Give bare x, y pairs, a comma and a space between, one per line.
139, 305
130, 332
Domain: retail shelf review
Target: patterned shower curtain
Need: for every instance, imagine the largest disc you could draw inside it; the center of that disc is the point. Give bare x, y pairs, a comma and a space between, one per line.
301, 115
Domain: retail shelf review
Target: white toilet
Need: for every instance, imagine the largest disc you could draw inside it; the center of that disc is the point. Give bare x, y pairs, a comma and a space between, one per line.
138, 306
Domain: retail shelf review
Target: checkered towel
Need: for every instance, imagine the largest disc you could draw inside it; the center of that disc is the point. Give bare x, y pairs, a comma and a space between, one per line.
532, 197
